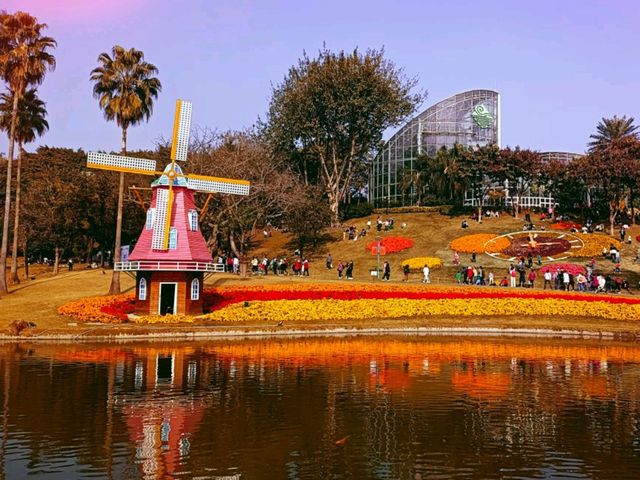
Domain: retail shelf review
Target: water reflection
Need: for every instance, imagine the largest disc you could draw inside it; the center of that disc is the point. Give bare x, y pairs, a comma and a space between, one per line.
366, 407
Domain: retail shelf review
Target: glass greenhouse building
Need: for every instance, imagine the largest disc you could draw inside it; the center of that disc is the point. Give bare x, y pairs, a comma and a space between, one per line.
470, 118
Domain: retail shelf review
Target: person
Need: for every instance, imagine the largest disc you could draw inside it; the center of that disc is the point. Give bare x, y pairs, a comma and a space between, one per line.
547, 280
464, 224
236, 265
425, 272
405, 270
305, 267
340, 269
512, 274
492, 282
350, 270
532, 278
386, 271
473, 257
459, 277
329, 262
504, 282
70, 264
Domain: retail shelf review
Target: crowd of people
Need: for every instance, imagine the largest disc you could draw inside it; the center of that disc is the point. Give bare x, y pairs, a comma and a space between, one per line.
299, 266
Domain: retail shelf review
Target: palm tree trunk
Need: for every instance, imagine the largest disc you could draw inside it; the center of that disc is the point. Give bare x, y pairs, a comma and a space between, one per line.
16, 221
24, 252
114, 289
7, 199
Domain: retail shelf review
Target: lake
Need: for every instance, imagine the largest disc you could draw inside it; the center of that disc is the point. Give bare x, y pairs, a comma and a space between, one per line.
395, 407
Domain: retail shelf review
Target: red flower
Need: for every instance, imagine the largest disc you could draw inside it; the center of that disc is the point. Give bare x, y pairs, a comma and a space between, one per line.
391, 245
570, 268
566, 226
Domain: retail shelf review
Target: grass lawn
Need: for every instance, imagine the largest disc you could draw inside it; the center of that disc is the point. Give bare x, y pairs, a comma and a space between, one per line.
37, 300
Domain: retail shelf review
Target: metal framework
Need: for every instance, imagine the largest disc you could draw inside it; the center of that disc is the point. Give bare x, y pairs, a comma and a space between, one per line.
470, 118
168, 266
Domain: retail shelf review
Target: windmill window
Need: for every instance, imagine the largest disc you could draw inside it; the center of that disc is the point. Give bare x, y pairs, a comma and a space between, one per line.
142, 289
173, 238
151, 213
193, 220
195, 289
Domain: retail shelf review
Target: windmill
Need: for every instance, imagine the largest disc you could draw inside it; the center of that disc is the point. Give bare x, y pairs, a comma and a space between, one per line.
171, 252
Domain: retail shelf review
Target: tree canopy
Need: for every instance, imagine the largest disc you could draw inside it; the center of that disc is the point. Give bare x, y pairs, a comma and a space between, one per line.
328, 115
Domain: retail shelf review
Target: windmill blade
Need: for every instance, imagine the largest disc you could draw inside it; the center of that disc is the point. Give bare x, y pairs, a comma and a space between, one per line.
167, 227
181, 129
120, 163
160, 225
204, 183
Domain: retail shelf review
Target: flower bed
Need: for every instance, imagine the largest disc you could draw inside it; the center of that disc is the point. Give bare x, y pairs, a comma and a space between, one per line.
571, 268
480, 242
294, 311
392, 244
330, 302
105, 309
418, 263
544, 246
566, 226
594, 243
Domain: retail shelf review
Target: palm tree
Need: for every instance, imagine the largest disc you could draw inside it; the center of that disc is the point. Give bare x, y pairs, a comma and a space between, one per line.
24, 61
125, 87
612, 129
416, 180
30, 123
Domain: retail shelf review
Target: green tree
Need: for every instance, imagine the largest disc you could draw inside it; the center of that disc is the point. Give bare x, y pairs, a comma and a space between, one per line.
612, 171
30, 124
522, 169
479, 170
125, 86
24, 61
330, 112
611, 129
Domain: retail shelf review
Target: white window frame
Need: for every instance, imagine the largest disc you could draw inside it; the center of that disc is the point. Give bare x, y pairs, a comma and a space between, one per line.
151, 216
142, 289
173, 238
193, 220
195, 289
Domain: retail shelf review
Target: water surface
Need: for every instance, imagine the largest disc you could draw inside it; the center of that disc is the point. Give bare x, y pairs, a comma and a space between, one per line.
361, 407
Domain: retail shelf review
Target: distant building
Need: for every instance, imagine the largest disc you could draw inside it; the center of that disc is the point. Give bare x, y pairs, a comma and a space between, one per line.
470, 118
564, 157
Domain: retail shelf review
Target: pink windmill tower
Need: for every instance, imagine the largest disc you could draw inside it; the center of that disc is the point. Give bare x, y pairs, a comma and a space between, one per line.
171, 256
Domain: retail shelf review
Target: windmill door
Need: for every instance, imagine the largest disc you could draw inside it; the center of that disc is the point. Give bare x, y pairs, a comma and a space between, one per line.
168, 298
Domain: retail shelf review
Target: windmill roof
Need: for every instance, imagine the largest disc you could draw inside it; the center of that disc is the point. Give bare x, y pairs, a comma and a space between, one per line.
179, 181
190, 246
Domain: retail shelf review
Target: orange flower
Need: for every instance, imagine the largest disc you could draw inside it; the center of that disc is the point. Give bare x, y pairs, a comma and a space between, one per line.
480, 242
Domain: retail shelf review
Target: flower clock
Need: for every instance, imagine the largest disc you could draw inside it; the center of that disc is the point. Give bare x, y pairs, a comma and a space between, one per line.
551, 246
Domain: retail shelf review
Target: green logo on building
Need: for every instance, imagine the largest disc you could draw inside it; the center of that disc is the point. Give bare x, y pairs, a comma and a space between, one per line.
482, 116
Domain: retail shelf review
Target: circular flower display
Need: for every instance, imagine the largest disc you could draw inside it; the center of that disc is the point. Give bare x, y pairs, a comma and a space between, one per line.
391, 245
594, 243
566, 226
480, 242
571, 268
418, 263
542, 245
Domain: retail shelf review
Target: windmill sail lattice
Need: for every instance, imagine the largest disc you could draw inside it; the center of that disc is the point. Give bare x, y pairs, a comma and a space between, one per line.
171, 177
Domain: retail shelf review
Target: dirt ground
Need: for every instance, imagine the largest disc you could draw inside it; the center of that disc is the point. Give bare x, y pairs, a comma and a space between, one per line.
37, 300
